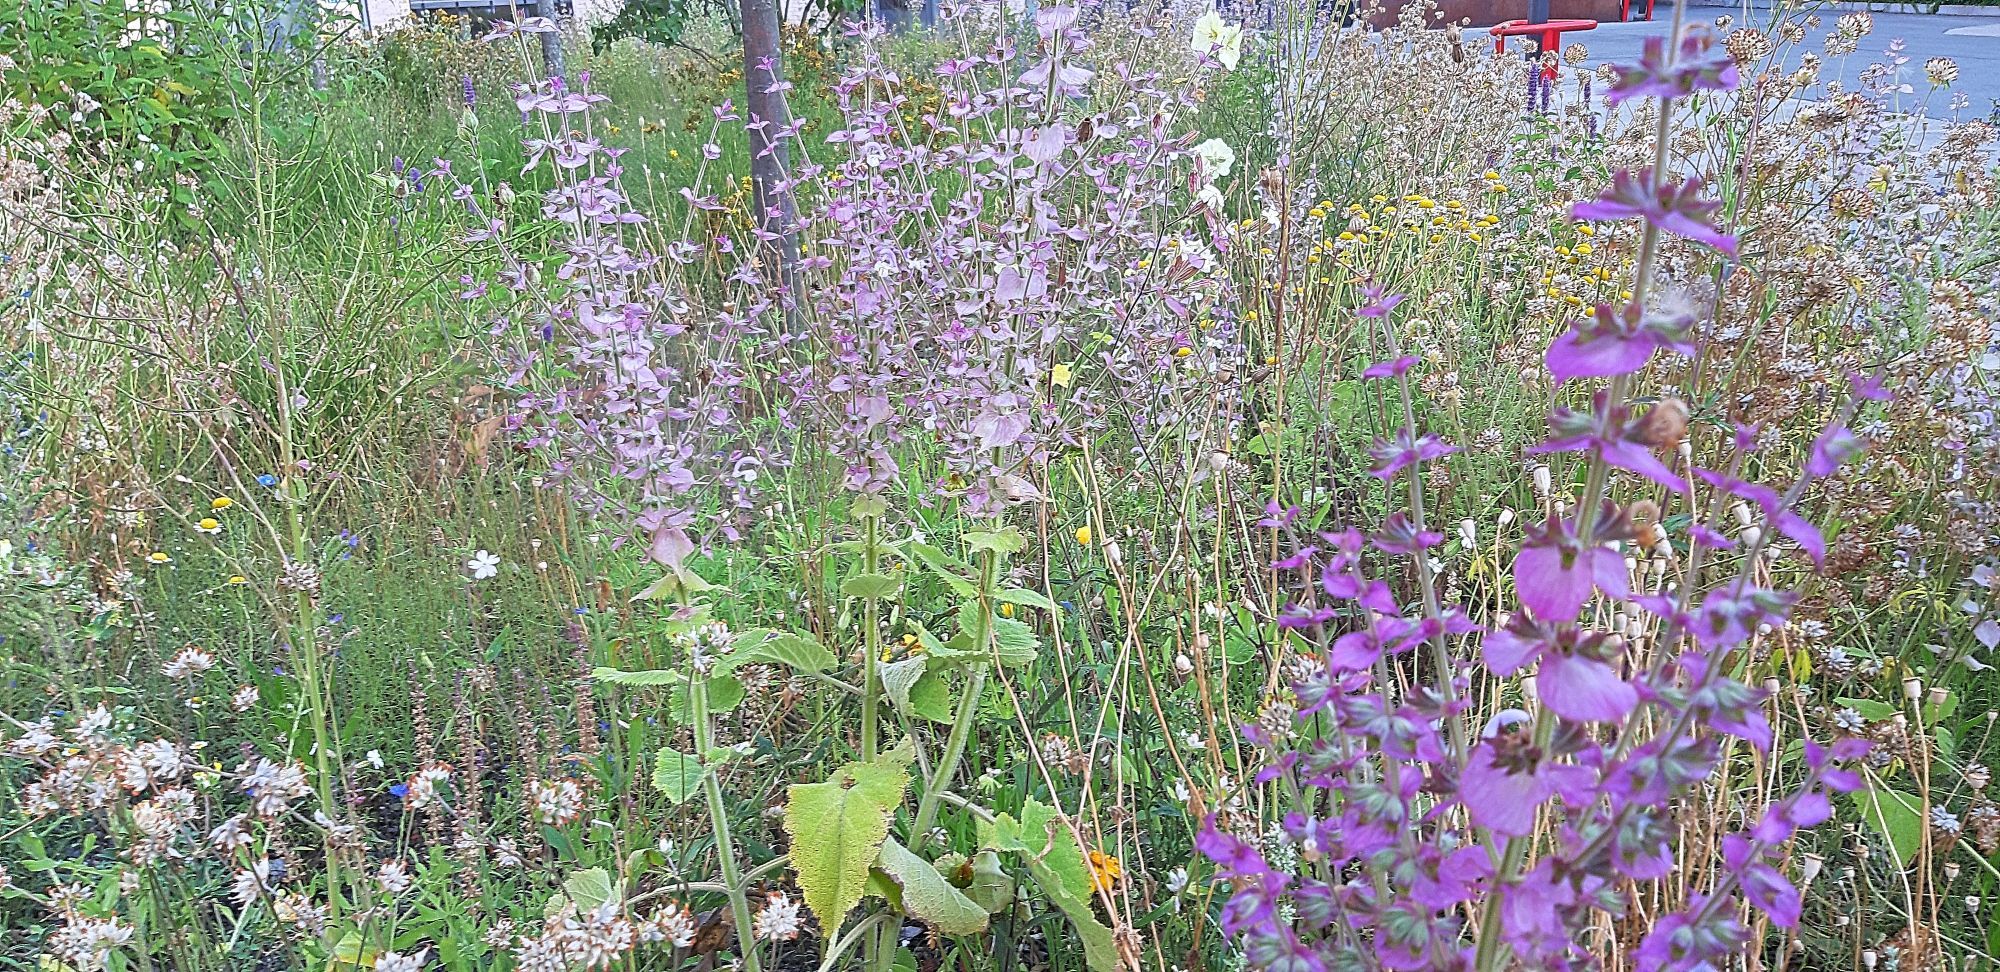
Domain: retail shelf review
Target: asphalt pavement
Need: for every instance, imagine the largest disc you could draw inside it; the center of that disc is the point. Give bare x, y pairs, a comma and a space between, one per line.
1973, 42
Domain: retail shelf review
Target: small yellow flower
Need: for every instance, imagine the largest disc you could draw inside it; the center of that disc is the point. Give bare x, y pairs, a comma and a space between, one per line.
673, 153
1492, 176
1582, 249
1270, 359
1474, 237
1006, 610
237, 579
1060, 376
159, 557
1104, 871
1587, 230
1083, 535
1183, 351
209, 525
221, 503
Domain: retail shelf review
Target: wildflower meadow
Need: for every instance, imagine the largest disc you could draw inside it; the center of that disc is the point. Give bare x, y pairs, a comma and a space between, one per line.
994, 487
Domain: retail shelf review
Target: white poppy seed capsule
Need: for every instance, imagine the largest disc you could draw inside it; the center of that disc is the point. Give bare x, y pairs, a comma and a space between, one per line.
1468, 532
1868, 959
1938, 695
1742, 513
1183, 664
1506, 517
1751, 536
1972, 904
1951, 872
1912, 688
1809, 865
1771, 685
1542, 480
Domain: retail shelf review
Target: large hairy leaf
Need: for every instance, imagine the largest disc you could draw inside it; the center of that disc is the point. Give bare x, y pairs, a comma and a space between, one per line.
927, 895
915, 689
797, 651
837, 828
1057, 864
677, 775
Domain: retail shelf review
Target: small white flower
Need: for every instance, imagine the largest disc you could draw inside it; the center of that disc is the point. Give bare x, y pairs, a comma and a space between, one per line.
375, 758
393, 962
394, 877
483, 565
779, 921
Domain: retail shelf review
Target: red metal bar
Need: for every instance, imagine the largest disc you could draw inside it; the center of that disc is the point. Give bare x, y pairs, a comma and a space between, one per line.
1549, 34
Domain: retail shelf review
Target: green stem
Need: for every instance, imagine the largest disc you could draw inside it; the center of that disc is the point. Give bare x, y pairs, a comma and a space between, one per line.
871, 640
954, 750
732, 876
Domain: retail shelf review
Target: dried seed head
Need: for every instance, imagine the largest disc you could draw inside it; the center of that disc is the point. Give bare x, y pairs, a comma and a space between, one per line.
1942, 71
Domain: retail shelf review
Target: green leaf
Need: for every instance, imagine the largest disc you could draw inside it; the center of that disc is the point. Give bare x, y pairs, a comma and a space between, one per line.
1870, 710
351, 952
588, 890
1897, 816
1028, 598
878, 586
724, 694
953, 573
987, 883
931, 697
1003, 542
1042, 837
1015, 642
899, 677
926, 894
677, 775
797, 651
649, 678
1057, 865
837, 828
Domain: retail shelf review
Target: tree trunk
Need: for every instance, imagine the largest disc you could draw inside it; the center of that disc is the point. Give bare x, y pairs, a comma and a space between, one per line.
776, 213
552, 42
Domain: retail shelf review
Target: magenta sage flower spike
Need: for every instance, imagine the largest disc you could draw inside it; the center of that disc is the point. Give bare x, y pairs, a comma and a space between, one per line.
1673, 207
1617, 341
1700, 66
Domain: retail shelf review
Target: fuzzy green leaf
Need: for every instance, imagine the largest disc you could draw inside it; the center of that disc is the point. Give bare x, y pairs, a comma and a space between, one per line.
677, 775
1002, 542
797, 651
880, 586
1027, 598
953, 573
724, 694
987, 883
587, 890
837, 828
927, 895
638, 679
1057, 865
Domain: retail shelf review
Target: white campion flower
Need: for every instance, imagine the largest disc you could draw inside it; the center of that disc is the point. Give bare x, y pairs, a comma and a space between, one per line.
483, 565
1219, 39
1217, 158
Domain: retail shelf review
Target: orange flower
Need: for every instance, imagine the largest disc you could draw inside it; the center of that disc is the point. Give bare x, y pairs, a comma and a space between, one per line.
1104, 871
